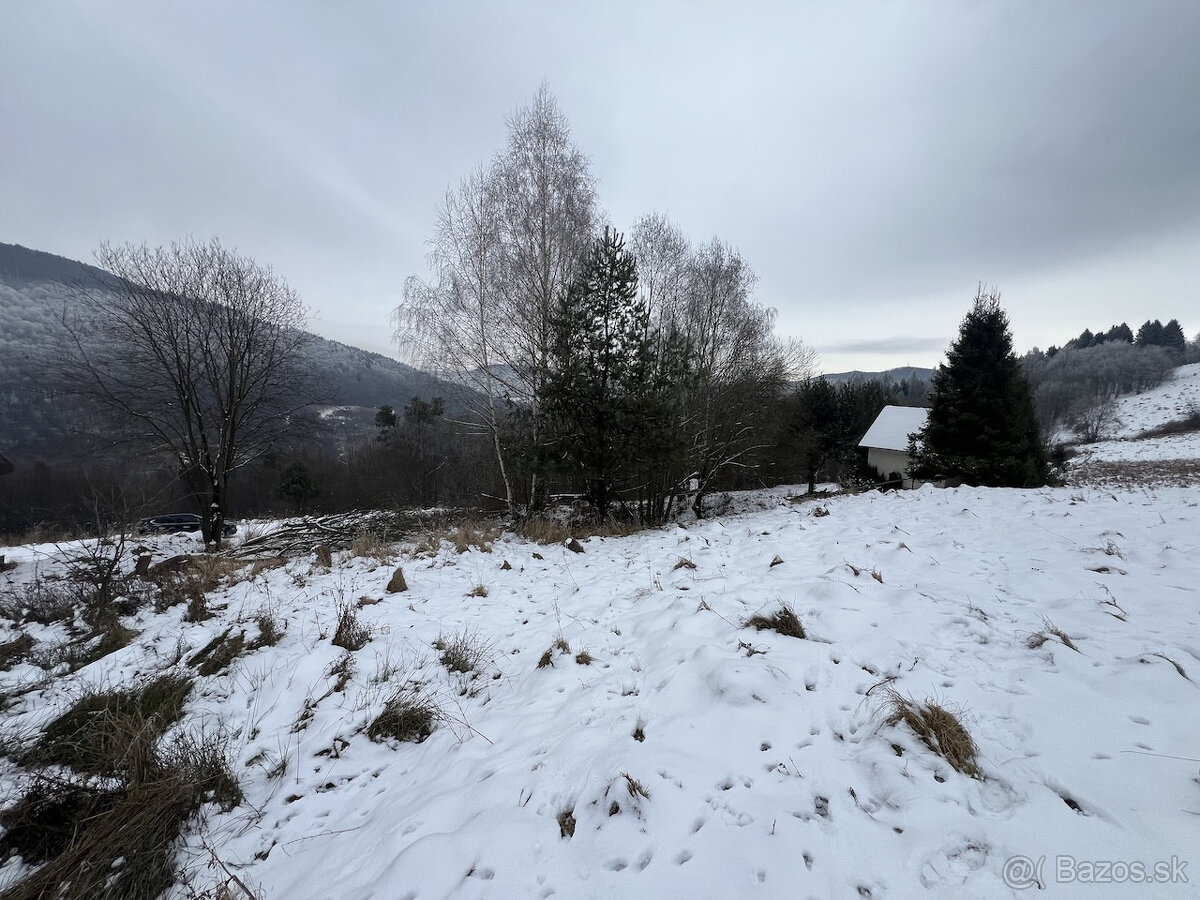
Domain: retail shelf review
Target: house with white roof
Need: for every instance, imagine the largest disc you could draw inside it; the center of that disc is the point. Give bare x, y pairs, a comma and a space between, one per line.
886, 440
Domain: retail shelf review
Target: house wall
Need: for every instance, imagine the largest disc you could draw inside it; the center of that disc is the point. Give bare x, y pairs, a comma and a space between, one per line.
888, 461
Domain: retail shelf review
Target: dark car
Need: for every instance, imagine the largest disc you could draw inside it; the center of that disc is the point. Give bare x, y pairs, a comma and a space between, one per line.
172, 523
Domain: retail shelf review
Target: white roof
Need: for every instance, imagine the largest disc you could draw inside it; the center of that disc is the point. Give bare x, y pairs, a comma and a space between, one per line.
892, 426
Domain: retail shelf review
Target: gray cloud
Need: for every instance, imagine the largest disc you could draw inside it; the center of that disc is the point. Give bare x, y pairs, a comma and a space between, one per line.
872, 161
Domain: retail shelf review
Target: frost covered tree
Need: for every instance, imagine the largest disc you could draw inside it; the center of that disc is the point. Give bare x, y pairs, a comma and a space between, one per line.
200, 351
982, 427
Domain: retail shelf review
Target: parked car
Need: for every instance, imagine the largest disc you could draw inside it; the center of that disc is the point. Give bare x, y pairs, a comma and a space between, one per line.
173, 523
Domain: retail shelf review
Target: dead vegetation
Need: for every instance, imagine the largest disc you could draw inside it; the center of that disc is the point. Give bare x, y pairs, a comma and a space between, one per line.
464, 652
106, 804
410, 714
549, 530
462, 536
940, 729
1048, 630
350, 634
784, 620
560, 645
218, 653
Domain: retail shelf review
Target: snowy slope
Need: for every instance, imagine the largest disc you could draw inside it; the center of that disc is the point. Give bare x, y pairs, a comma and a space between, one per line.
769, 768
1128, 460
1174, 399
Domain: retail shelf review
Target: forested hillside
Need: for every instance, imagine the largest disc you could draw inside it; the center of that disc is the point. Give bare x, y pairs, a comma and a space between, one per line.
43, 420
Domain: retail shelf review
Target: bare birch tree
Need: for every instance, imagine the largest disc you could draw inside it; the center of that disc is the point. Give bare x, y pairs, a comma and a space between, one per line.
505, 248
548, 221
451, 323
200, 351
736, 365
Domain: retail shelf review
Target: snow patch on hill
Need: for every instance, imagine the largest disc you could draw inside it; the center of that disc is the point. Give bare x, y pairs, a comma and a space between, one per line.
763, 764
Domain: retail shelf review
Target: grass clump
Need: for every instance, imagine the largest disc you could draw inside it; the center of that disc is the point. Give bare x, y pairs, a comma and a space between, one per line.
112, 732
270, 628
940, 729
116, 838
12, 652
368, 545
784, 620
560, 645
408, 715
464, 652
350, 634
218, 653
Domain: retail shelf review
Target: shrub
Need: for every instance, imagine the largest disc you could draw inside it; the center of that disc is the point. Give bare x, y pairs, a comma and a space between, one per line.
785, 621
41, 601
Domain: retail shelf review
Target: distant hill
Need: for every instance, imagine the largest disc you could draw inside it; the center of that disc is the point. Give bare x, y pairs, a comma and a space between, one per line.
41, 419
902, 373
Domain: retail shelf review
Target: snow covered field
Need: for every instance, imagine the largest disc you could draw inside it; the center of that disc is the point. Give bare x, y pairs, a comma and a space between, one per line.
693, 757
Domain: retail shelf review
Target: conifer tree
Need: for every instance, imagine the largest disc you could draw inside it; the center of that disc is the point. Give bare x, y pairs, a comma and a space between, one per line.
1172, 336
608, 392
982, 428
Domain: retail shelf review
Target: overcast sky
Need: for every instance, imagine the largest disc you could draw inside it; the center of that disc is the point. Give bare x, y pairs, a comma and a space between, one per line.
873, 161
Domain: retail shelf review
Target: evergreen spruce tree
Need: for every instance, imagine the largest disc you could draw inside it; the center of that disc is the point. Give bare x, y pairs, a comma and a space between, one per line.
1150, 333
1172, 336
982, 428
608, 395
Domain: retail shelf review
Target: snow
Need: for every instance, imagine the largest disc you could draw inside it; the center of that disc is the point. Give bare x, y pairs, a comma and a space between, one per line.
892, 426
770, 769
1175, 399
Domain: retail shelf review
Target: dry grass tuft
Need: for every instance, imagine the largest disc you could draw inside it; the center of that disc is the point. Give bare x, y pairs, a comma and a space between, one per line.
584, 658
682, 563
217, 654
12, 652
116, 837
479, 590
350, 634
785, 621
270, 628
464, 652
560, 645
1049, 629
410, 714
566, 823
940, 729
368, 545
